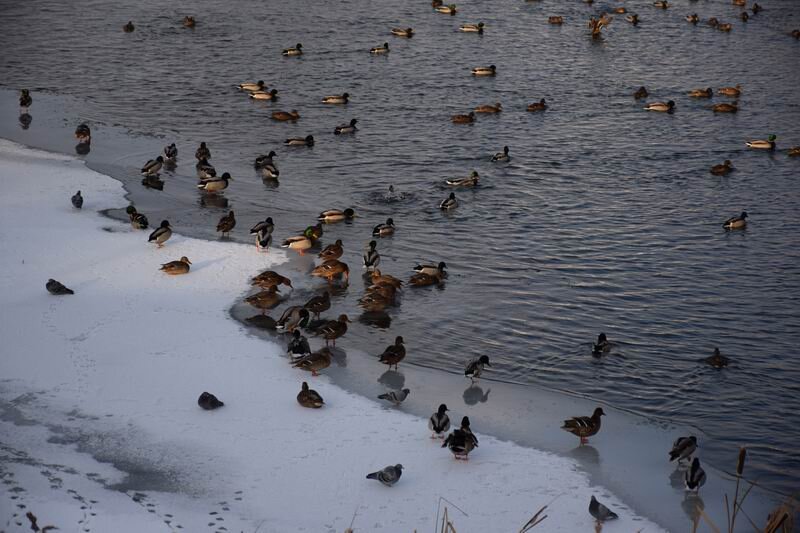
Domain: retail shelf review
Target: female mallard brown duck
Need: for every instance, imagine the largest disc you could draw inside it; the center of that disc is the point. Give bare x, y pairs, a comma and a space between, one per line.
332, 251
469, 181
385, 229
161, 234
584, 426
393, 354
471, 28
400, 32
272, 94
300, 243
379, 278
270, 278
633, 19
226, 223
661, 107
701, 93
374, 303
717, 360
128, 28
336, 99
488, 108
739, 222
730, 91
297, 50
189, 22
331, 270
722, 169
384, 290
446, 10
315, 361
640, 93
308, 140
794, 152
726, 27
266, 299
336, 215
663, 4
725, 107
769, 144
319, 304
693, 18
421, 279
202, 152
556, 20
491, 70
252, 86
309, 398
138, 220
464, 119
541, 105
178, 267
334, 329
284, 116
215, 185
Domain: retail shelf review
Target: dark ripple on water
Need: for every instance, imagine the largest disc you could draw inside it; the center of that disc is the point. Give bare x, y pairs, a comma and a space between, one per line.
605, 219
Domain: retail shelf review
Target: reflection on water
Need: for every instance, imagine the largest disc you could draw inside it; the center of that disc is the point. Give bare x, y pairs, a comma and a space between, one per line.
83, 148
378, 319
213, 200
393, 379
25, 120
338, 356
474, 394
262, 322
693, 506
586, 454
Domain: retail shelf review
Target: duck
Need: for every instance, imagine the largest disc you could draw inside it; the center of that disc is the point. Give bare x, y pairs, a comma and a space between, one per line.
161, 234
175, 268
83, 133
385, 229
469, 181
555, 20
464, 119
371, 257
378, 278
264, 299
541, 105
300, 243
57, 288
152, 167
633, 19
439, 422
285, 116
701, 93
695, 477
319, 304
270, 278
736, 222
77, 200
722, 169
336, 99
725, 107
693, 18
298, 345
491, 70
332, 269
272, 94
795, 34
377, 50
383, 290
209, 402
600, 512
713, 22
794, 151
308, 140
226, 223
252, 86
214, 185
474, 367
663, 4
769, 144
269, 171
205, 170
315, 361
446, 10
313, 232
756, 8
129, 27
584, 426
336, 215
730, 91
717, 360
449, 203
202, 152
422, 279
461, 441
25, 100
396, 396
662, 107
388, 476
264, 159
488, 108
683, 448
333, 329
170, 153
400, 32
501, 157
394, 353
431, 270
375, 302
296, 51
744, 16
263, 233
138, 220
189, 22
471, 28
293, 318
309, 397
602, 346
332, 251
726, 27
344, 129
619, 10
640, 93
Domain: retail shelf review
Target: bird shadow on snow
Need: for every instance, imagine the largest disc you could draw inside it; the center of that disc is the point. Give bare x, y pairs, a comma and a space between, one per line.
586, 454
392, 379
474, 394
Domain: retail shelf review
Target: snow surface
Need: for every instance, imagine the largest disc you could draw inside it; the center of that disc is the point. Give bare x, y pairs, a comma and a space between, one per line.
99, 425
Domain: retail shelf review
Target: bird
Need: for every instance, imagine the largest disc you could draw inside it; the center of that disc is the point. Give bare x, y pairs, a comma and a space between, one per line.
600, 512
251, 86
663, 4
309, 397
432, 270
469, 181
77, 200
57, 288
725, 107
152, 167
683, 448
298, 345
175, 268
756, 8
128, 28
726, 27
332, 251
272, 94
736, 222
446, 10
202, 152
713, 22
723, 168
395, 396
633, 19
421, 279
209, 402
315, 361
297, 50
205, 171
25, 100
491, 70
285, 116
314, 232
439, 422
138, 220
385, 229
744, 16
264, 159
333, 329
344, 129
83, 133
474, 367
301, 243
717, 360
380, 49
226, 223
308, 140
472, 28
502, 157
541, 105
662, 107
215, 185
602, 346
695, 477
556, 20
161, 234
269, 170
388, 476
263, 232
794, 152
319, 304
371, 257
336, 215
640, 93
464, 119
769, 144
488, 108
189, 22
461, 441
584, 426
394, 353
400, 32
265, 299
270, 278
170, 153
336, 99
730, 91
332, 269
449, 203
293, 318
693, 18
701, 93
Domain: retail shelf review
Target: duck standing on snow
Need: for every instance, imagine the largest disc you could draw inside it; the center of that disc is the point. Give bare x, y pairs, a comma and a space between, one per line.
449, 203
388, 476
602, 346
176, 268
344, 129
584, 426
439, 422
77, 200
739, 222
695, 477
25, 100
152, 167
226, 224
717, 360
396, 396
336, 215
600, 512
209, 402
683, 448
475, 367
502, 157
461, 441
309, 397
371, 257
57, 288
263, 232
298, 345
393, 354
385, 229
161, 234
138, 220
769, 144
202, 152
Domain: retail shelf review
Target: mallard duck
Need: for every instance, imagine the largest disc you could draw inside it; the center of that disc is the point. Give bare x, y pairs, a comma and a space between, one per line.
491, 70
313, 232
175, 268
202, 152
736, 222
309, 398
794, 151
319, 304
600, 512
693, 18
252, 86
332, 251
744, 16
336, 99
285, 116
432, 270
332, 269
422, 279
138, 220
385, 229
502, 157
129, 27
393, 354
293, 317
446, 10
263, 160
315, 361
461, 441
375, 302
726, 27
399, 32
371, 256
388, 476
77, 200
469, 181
488, 108
471, 28
57, 288
769, 144
683, 448
189, 22
336, 215
474, 367
333, 329
269, 171
449, 203
214, 185
556, 20
296, 51
170, 153
383, 290
662, 107
270, 278
796, 34
584, 426
464, 119
695, 477
380, 49
439, 422
663, 4
701, 93
602, 346
25, 99
730, 91
209, 402
298, 345
263, 232
756, 8
308, 140
265, 299
300, 243
379, 278
541, 105
161, 234
717, 360
205, 170
83, 133
152, 167
722, 169
272, 94
226, 223
346, 128
725, 107
713, 22
633, 19
396, 396
640, 93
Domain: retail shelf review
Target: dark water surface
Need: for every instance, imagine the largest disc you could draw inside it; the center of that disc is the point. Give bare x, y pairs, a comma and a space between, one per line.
606, 219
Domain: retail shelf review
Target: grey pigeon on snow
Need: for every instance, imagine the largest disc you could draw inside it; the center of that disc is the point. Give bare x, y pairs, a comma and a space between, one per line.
600, 512
388, 476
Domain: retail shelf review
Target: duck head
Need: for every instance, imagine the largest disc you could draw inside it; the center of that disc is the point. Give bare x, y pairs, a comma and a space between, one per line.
484, 360
598, 413
442, 409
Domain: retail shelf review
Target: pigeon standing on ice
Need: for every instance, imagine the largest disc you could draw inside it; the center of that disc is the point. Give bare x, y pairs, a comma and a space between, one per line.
77, 200
439, 422
683, 448
396, 396
600, 512
55, 287
208, 401
475, 367
388, 476
695, 477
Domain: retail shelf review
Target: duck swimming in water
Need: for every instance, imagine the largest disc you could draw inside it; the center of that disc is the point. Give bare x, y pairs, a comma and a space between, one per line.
129, 27
602, 346
469, 181
400, 32
501, 157
336, 215
491, 70
214, 185
449, 203
380, 49
297, 50
701, 93
336, 99
640, 93
725, 107
252, 87
202, 152
662, 107
170, 153
683, 448
464, 119
272, 94
371, 257
344, 129
722, 169
446, 10
541, 105
152, 167
472, 28
717, 360
431, 270
769, 144
385, 229
488, 108
300, 141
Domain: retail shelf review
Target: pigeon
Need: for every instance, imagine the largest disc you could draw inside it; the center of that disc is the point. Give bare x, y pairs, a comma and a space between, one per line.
600, 512
439, 422
208, 401
474, 368
371, 257
396, 397
683, 448
77, 200
55, 287
695, 477
388, 476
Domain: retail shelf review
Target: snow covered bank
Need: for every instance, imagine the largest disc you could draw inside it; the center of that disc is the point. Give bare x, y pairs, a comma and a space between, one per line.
104, 383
